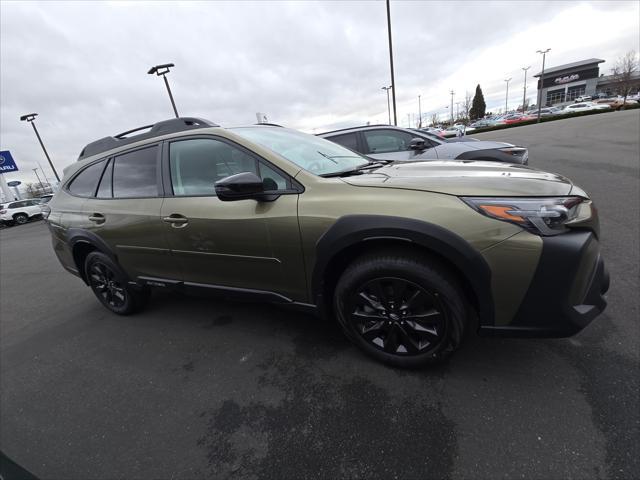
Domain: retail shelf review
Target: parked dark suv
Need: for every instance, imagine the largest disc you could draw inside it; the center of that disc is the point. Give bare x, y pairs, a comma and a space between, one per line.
406, 256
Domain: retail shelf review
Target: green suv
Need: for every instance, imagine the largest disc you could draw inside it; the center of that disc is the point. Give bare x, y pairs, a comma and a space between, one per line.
408, 257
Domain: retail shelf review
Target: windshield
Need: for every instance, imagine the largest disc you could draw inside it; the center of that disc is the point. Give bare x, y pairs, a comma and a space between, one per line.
312, 153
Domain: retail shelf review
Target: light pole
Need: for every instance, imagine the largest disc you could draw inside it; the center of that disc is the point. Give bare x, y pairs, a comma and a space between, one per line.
524, 95
452, 94
388, 105
35, 170
162, 70
393, 80
30, 117
506, 100
544, 54
419, 113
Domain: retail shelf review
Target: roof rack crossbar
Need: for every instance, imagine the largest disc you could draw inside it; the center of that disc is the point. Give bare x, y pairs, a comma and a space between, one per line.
157, 129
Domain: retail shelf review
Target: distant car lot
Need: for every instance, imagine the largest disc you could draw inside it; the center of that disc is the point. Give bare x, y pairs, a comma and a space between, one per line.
210, 388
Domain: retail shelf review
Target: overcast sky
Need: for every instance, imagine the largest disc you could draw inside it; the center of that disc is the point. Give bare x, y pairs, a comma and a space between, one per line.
311, 66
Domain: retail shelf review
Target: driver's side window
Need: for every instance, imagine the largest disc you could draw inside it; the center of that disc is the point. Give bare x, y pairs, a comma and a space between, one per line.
197, 164
384, 141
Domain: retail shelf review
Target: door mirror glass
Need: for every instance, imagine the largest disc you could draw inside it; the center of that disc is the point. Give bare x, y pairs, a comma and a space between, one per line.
417, 144
241, 186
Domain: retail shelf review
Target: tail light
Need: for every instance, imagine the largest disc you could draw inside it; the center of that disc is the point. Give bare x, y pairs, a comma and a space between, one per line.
2, 211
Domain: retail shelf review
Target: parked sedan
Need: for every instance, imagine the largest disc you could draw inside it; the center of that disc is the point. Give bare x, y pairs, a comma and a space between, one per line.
401, 144
585, 107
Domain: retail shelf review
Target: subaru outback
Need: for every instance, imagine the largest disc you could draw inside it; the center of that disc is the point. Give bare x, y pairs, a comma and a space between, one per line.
408, 257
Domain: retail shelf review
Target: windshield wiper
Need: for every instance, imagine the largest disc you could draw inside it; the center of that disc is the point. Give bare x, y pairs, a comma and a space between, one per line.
358, 170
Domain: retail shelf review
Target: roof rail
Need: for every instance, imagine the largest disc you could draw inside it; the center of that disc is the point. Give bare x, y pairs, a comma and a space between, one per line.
269, 124
157, 129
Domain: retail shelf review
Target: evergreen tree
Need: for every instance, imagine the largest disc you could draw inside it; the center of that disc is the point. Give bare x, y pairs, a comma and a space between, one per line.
478, 106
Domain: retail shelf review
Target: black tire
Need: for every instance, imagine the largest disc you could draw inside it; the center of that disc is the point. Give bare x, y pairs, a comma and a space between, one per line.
412, 301
110, 285
21, 218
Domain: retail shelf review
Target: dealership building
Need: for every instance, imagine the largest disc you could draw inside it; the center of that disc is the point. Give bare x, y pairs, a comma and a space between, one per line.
563, 84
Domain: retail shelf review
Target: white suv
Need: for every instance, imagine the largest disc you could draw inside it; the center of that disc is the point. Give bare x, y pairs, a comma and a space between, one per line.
20, 211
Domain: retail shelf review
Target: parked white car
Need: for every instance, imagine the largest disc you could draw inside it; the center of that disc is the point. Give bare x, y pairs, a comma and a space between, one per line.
20, 211
585, 106
583, 98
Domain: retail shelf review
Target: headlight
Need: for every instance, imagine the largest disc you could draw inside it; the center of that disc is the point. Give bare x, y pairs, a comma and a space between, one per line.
542, 216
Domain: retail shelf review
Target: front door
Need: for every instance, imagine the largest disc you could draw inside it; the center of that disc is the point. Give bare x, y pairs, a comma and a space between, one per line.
243, 244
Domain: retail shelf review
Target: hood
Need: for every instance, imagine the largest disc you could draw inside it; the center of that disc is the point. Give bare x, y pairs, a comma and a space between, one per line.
466, 177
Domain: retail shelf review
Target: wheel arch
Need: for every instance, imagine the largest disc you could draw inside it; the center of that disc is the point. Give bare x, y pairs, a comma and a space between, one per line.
82, 243
355, 235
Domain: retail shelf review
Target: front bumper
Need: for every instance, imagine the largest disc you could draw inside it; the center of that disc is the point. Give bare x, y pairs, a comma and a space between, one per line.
566, 292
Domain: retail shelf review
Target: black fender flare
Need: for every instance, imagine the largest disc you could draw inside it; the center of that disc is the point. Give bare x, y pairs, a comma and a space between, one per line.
77, 236
350, 230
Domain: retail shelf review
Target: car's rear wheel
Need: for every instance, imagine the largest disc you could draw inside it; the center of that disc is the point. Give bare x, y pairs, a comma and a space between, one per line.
109, 284
21, 218
401, 310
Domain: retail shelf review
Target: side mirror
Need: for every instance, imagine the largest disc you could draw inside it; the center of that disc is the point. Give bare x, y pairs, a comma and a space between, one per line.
417, 144
242, 186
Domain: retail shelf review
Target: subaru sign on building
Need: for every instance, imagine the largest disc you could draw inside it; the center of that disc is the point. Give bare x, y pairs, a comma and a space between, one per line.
7, 164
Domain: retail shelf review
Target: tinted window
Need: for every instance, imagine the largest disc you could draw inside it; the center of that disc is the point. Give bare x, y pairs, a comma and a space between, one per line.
135, 174
349, 140
104, 189
382, 141
85, 183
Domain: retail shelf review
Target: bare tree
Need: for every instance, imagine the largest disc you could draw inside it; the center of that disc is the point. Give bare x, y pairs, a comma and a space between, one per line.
623, 72
466, 105
434, 119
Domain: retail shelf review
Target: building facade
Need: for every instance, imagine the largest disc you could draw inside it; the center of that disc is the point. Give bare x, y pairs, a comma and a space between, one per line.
563, 84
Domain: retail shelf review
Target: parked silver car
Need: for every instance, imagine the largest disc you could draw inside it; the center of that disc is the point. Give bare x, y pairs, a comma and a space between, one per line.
401, 144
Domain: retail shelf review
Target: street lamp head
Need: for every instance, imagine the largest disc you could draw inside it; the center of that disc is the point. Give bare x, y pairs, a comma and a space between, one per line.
507, 79
160, 69
29, 117
526, 68
543, 51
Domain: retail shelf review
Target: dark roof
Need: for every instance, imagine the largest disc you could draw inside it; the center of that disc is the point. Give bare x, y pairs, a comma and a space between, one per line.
569, 66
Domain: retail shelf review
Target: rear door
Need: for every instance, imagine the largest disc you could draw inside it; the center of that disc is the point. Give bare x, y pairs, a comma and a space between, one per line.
244, 244
123, 210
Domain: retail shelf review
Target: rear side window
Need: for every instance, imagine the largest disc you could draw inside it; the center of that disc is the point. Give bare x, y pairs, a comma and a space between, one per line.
85, 183
135, 174
349, 140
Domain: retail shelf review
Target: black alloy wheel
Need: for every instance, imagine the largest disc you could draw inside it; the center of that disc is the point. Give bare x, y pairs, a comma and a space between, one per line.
110, 284
106, 286
405, 309
397, 316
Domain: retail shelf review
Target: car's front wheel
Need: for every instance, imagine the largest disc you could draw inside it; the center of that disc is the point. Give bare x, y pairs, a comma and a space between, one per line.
403, 310
109, 284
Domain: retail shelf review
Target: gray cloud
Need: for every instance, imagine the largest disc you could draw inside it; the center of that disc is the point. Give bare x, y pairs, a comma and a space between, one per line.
82, 66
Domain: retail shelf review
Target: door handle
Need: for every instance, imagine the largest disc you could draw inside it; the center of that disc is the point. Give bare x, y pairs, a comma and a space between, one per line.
176, 220
97, 218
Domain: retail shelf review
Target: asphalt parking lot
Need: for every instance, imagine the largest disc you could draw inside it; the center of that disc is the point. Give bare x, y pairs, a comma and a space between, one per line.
203, 388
